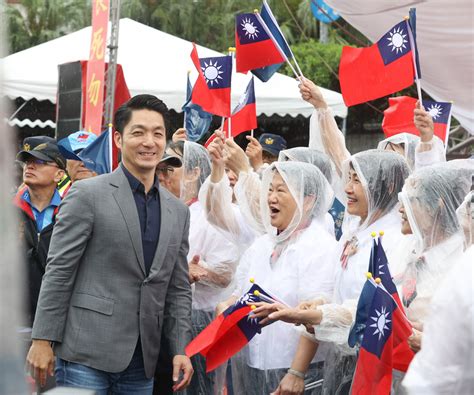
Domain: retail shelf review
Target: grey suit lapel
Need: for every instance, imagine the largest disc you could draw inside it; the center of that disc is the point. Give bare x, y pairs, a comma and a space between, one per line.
124, 198
165, 231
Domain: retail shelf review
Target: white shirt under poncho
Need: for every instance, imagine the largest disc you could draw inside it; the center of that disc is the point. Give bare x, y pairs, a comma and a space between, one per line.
304, 271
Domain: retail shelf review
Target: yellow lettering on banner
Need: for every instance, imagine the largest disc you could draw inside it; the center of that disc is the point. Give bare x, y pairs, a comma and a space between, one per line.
100, 6
93, 90
97, 48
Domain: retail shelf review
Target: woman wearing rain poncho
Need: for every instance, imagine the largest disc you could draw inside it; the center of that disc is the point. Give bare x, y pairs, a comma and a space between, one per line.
212, 258
247, 188
437, 284
291, 262
373, 179
445, 363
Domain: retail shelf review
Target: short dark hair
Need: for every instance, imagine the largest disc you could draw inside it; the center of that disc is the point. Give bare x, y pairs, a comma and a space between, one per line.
140, 102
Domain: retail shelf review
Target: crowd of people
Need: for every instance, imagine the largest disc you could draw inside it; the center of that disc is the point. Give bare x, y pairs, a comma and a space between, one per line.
125, 269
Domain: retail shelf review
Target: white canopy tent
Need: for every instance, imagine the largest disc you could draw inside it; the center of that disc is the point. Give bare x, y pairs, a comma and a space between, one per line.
153, 62
445, 31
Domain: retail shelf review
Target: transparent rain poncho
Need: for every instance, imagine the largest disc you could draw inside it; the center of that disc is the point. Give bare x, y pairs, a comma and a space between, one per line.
294, 265
430, 198
465, 214
408, 143
382, 174
196, 168
248, 188
313, 198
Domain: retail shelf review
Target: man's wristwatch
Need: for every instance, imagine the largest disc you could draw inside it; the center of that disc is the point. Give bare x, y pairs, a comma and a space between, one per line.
296, 373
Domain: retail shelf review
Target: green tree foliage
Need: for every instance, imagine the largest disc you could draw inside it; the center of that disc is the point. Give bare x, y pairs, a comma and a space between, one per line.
33, 22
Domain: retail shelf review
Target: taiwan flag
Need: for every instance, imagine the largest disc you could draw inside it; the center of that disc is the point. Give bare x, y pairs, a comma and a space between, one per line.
244, 116
265, 73
384, 331
229, 332
254, 48
384, 68
212, 87
402, 353
398, 117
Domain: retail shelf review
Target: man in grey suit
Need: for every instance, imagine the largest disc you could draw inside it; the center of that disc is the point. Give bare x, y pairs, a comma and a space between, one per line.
117, 273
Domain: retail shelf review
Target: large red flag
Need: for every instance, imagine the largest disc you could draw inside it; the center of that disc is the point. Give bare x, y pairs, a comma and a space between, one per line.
212, 88
254, 48
398, 117
384, 68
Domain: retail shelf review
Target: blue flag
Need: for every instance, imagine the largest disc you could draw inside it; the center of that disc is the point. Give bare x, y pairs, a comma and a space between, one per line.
196, 120
96, 156
265, 73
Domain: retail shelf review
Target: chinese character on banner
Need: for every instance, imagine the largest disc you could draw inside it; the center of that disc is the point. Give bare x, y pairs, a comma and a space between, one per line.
93, 110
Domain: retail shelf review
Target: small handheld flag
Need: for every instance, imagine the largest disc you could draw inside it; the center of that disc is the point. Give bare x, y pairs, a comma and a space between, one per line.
385, 67
254, 47
212, 88
229, 332
196, 120
244, 116
398, 117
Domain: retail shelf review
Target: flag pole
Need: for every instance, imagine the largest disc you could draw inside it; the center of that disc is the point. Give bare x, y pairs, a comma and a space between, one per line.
111, 149
184, 116
229, 133
251, 133
267, 30
413, 52
270, 12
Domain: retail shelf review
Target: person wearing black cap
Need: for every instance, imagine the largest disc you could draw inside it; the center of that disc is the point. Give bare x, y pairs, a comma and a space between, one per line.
38, 201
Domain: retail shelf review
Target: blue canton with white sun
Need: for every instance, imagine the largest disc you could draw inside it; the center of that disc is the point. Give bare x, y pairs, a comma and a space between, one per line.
249, 29
395, 43
217, 71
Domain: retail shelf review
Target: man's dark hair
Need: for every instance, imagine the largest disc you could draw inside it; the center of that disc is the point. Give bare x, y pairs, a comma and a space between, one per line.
140, 102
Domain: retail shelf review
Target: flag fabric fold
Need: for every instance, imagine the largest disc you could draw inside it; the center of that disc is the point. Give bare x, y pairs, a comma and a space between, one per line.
96, 156
384, 68
196, 120
229, 332
399, 118
244, 116
212, 87
254, 48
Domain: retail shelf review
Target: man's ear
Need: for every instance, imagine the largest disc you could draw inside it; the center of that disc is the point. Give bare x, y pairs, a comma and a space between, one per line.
118, 140
59, 175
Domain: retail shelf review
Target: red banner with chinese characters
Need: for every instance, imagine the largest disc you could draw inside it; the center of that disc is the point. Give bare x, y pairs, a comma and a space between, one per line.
94, 103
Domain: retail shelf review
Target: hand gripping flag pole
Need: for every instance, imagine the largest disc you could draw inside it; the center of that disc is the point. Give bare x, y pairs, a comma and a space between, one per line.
282, 53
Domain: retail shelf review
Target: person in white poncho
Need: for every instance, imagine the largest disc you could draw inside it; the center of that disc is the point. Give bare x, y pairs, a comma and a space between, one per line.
212, 257
291, 261
373, 179
445, 364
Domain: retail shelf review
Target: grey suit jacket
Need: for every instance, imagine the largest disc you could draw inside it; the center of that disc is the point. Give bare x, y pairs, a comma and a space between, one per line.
95, 298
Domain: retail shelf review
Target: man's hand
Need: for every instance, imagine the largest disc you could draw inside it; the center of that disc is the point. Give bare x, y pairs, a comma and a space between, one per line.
182, 364
235, 158
310, 304
40, 360
196, 272
312, 94
424, 123
254, 153
179, 135
290, 385
414, 341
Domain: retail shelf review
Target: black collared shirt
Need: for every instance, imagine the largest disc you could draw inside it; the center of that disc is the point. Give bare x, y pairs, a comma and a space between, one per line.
148, 207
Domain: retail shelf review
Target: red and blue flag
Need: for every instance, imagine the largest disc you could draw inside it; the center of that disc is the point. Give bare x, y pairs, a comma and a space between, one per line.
244, 116
212, 88
229, 332
384, 331
398, 117
254, 47
384, 68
